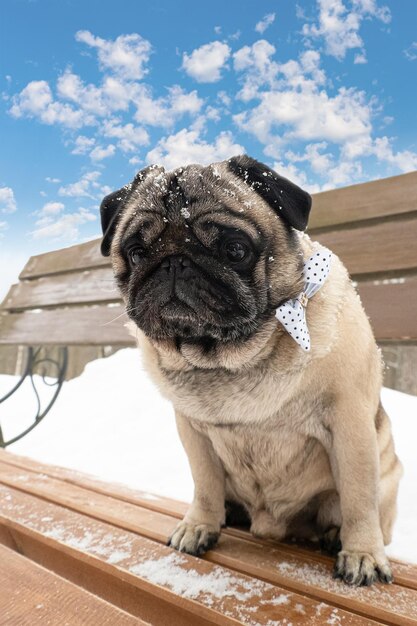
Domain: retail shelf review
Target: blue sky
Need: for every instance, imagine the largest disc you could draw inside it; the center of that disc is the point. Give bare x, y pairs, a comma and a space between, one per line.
322, 90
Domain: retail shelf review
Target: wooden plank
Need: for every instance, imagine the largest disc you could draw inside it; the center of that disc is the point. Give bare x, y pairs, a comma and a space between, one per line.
379, 198
405, 573
84, 325
377, 248
79, 257
85, 287
392, 308
30, 595
309, 575
205, 591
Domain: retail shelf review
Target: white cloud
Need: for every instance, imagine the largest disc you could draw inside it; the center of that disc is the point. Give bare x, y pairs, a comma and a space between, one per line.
51, 208
100, 152
48, 212
187, 147
83, 144
3, 226
257, 65
126, 56
36, 101
204, 64
344, 173
7, 200
224, 98
129, 136
290, 171
340, 26
259, 70
265, 22
66, 226
113, 94
52, 180
308, 115
134, 160
404, 160
318, 161
164, 111
360, 59
83, 187
411, 51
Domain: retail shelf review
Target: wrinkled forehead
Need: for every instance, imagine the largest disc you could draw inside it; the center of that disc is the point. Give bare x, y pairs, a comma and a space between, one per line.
194, 193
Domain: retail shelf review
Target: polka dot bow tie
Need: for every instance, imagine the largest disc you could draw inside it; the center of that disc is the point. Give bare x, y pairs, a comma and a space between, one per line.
292, 313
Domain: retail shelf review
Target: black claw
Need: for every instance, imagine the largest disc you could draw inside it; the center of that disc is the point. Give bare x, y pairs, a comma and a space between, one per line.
336, 573
384, 578
212, 540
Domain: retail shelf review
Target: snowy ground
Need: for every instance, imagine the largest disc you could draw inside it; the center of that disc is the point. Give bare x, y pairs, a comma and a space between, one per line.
112, 422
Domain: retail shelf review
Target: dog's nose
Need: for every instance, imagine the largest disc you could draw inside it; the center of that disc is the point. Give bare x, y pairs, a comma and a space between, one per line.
177, 264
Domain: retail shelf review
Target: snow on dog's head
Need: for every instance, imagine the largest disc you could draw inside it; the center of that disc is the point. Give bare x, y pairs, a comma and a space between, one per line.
204, 255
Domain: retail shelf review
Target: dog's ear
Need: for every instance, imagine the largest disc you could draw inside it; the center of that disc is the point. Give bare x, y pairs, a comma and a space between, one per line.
112, 205
283, 196
110, 209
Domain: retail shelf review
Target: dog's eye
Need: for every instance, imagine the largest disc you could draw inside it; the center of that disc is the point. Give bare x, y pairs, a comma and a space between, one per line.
236, 251
136, 255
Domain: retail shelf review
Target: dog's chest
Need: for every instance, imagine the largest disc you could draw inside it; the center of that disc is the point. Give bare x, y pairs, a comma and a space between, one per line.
233, 398
264, 428
264, 466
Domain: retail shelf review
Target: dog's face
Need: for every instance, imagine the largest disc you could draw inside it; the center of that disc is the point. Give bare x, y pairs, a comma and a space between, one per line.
205, 254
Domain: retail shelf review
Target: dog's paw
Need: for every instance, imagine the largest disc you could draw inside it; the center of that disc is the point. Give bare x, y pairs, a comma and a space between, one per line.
361, 568
193, 539
330, 541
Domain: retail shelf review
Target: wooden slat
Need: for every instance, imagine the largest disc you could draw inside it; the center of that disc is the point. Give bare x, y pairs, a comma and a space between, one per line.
309, 575
392, 308
87, 325
377, 248
206, 592
30, 595
379, 198
79, 257
405, 573
85, 287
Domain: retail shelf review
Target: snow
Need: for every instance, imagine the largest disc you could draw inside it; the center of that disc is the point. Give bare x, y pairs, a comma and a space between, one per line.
169, 570
113, 423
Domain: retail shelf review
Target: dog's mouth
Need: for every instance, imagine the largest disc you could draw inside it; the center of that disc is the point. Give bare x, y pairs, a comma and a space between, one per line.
182, 301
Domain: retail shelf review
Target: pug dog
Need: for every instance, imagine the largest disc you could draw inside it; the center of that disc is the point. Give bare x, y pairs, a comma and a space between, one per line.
283, 420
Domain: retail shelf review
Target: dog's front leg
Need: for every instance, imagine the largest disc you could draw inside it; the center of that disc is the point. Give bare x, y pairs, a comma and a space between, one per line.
355, 465
200, 528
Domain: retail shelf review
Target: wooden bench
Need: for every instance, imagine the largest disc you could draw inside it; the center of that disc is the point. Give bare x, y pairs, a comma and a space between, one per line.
100, 547
67, 298
109, 542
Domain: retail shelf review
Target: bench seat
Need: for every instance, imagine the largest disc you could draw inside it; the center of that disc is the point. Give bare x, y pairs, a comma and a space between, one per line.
31, 595
108, 541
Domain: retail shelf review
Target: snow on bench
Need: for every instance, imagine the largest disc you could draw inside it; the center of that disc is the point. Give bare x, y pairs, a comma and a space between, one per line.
109, 541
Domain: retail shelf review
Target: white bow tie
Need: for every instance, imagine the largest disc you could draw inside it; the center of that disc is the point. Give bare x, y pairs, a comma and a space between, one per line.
291, 313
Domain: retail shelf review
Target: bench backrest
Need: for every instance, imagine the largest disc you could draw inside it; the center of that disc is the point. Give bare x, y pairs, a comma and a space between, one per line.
68, 297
